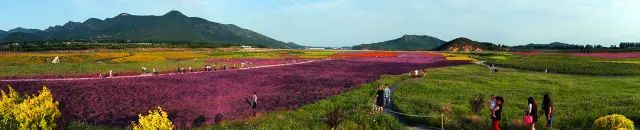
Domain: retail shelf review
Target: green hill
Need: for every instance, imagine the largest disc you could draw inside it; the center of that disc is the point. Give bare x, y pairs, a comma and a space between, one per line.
406, 42
465, 44
173, 26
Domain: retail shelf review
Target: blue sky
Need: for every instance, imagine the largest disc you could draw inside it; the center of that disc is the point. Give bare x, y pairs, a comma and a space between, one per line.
350, 22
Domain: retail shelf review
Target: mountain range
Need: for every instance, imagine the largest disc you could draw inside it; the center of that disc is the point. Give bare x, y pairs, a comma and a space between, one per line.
172, 26
428, 43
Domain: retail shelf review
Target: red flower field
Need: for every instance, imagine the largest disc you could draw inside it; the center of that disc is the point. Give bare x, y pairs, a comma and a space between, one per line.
117, 101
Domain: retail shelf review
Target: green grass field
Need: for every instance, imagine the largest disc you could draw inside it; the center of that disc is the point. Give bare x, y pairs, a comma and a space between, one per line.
578, 100
564, 63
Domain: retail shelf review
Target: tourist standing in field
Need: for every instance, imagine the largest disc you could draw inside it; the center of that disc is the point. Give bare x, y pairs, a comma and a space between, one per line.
379, 99
144, 70
387, 95
492, 102
547, 106
154, 71
424, 72
532, 112
496, 113
110, 73
254, 102
100, 75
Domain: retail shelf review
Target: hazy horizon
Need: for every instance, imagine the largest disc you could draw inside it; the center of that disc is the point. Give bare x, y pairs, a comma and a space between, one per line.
351, 22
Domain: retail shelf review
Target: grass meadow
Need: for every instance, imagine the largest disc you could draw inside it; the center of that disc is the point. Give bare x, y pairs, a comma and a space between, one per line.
578, 99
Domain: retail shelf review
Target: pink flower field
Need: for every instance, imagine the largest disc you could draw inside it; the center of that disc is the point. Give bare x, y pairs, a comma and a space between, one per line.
117, 101
610, 55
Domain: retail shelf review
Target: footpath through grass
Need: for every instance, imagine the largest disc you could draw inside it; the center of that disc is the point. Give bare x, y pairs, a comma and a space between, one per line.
578, 99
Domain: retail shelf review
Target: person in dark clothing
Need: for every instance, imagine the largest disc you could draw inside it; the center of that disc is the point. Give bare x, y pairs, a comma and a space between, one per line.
496, 113
547, 106
379, 99
533, 112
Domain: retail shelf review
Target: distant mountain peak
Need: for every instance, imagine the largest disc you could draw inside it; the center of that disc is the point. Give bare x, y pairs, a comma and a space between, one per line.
406, 42
92, 20
172, 26
174, 13
466, 44
23, 30
462, 39
124, 14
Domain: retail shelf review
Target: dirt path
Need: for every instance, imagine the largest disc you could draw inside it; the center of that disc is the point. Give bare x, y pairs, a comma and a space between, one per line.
147, 75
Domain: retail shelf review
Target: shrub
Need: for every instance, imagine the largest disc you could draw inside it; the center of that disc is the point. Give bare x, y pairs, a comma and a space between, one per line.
613, 122
156, 120
34, 112
334, 118
474, 122
477, 103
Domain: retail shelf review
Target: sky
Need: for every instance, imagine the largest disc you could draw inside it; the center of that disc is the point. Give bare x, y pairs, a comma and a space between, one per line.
351, 22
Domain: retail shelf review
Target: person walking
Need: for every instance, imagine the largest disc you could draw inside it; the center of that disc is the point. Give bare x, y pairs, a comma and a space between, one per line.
547, 106
387, 96
110, 73
496, 114
379, 99
254, 102
532, 113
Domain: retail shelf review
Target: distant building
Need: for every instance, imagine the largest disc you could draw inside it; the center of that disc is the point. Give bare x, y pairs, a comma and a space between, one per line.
246, 47
315, 48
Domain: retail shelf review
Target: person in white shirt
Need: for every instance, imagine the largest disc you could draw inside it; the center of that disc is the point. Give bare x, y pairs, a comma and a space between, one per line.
387, 95
155, 72
492, 102
144, 70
